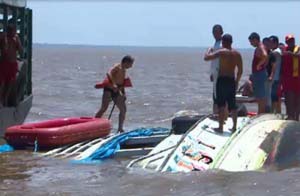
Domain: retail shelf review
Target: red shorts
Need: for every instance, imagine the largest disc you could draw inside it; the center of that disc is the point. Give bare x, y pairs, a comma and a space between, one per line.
8, 71
291, 85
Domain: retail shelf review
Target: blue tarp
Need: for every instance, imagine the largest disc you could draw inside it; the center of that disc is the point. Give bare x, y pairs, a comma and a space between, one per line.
6, 148
109, 149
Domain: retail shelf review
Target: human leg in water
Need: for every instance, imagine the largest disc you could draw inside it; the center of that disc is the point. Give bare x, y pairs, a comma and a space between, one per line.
120, 102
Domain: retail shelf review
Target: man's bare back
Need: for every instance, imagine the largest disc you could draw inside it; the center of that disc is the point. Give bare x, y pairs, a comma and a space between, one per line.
229, 60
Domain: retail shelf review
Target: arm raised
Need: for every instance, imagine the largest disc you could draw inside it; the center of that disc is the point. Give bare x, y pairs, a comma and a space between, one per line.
210, 54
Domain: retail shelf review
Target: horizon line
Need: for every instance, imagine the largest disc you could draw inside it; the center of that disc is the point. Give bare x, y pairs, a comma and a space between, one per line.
174, 1
128, 46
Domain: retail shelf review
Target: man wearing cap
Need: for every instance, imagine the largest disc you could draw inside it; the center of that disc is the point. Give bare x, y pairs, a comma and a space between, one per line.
259, 73
227, 83
291, 78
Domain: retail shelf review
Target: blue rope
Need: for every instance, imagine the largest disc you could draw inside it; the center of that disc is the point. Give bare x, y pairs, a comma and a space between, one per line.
6, 148
109, 149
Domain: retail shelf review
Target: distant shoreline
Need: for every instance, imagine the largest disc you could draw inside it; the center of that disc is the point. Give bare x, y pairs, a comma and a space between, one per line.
122, 46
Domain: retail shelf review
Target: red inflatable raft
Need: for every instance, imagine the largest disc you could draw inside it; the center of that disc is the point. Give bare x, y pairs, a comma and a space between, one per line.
57, 132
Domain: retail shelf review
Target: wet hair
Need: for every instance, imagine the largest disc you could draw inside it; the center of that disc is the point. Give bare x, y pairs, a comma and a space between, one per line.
274, 39
218, 26
227, 38
127, 59
254, 35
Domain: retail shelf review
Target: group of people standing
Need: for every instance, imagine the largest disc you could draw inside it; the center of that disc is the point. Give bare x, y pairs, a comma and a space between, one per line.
275, 74
283, 76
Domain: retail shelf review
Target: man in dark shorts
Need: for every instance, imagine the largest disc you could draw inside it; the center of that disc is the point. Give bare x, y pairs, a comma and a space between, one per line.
115, 90
227, 83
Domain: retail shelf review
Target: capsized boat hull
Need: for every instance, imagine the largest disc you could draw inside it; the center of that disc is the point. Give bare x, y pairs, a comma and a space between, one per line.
201, 148
57, 132
187, 152
257, 145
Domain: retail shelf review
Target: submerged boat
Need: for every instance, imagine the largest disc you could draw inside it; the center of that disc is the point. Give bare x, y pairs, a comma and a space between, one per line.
57, 132
20, 101
129, 144
249, 148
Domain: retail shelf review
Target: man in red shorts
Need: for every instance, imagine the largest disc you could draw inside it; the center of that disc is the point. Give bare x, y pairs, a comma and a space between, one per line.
291, 78
10, 44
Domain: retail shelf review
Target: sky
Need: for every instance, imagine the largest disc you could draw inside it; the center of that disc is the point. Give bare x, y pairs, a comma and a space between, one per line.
160, 23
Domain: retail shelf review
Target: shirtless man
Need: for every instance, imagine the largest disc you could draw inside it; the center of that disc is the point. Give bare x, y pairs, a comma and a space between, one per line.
259, 72
115, 91
10, 44
227, 83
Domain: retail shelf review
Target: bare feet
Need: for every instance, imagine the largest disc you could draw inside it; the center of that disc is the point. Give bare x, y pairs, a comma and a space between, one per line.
233, 130
218, 130
121, 131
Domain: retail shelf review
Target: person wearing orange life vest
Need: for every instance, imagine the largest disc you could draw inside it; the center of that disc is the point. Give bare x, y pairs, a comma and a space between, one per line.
291, 78
115, 89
